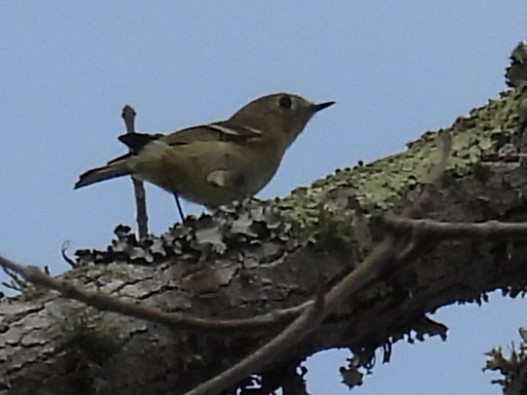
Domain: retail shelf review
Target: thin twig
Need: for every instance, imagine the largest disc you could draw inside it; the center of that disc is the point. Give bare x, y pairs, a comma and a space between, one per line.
128, 115
174, 320
63, 250
298, 329
18, 282
461, 230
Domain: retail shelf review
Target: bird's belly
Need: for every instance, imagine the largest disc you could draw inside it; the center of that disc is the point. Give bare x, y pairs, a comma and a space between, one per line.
191, 171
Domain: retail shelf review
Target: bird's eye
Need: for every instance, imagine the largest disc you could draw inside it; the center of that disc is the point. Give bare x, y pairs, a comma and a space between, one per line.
285, 101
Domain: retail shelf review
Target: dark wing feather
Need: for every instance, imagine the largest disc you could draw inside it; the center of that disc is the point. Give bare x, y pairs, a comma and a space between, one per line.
218, 131
136, 141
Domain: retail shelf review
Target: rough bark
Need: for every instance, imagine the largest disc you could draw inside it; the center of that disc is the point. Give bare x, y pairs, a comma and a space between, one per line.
247, 260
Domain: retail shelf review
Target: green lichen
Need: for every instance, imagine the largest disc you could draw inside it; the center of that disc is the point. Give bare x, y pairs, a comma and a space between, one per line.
333, 232
86, 330
89, 340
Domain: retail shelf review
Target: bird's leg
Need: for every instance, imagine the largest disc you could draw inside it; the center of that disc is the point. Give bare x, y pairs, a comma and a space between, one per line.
179, 208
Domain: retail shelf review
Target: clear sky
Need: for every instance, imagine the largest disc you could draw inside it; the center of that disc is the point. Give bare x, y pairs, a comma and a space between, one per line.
395, 68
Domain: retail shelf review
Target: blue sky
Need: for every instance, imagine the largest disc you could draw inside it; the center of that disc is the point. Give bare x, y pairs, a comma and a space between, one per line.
395, 68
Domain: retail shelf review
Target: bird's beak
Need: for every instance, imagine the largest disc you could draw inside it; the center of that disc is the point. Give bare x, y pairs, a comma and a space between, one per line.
321, 106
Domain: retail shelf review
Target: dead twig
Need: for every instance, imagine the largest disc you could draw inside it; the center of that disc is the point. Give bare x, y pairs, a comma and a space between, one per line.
128, 115
299, 328
460, 230
63, 250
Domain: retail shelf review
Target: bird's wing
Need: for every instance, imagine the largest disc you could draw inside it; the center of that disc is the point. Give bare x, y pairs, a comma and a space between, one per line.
218, 131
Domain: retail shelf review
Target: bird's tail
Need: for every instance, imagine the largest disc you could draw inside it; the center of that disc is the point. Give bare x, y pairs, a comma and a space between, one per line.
114, 169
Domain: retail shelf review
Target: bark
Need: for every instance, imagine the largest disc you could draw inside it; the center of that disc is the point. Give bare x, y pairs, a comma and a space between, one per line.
253, 259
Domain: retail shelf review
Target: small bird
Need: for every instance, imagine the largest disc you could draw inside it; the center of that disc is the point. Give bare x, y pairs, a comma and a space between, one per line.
216, 163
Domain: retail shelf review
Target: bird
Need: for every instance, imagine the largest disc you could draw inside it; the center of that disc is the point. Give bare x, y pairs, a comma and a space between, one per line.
214, 164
